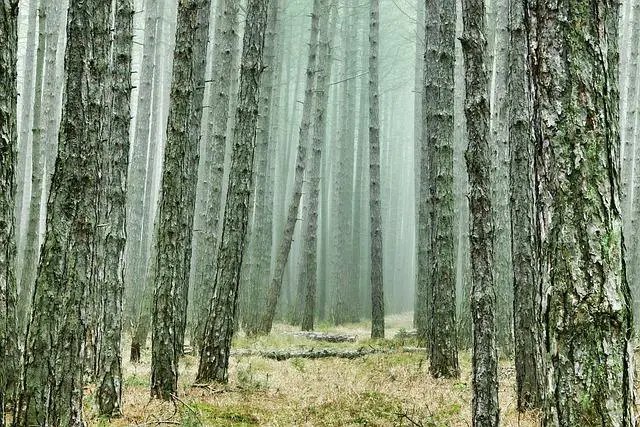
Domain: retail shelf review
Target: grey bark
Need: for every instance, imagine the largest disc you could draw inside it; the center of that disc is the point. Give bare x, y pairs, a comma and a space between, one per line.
219, 327
137, 185
38, 143
485, 407
344, 303
499, 134
154, 146
112, 229
261, 240
587, 304
418, 311
524, 242
9, 354
25, 124
52, 385
308, 276
177, 204
375, 208
438, 136
225, 56
284, 247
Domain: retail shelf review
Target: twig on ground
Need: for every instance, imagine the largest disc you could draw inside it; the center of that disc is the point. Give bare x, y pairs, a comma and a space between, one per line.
193, 411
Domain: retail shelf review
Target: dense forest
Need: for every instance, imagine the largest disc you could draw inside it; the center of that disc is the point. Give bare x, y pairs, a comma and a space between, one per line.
319, 212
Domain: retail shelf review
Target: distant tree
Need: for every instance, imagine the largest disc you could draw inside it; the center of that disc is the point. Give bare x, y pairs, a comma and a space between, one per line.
220, 324
308, 274
179, 179
485, 410
284, 247
377, 292
589, 341
527, 318
9, 355
225, 52
440, 30
55, 348
142, 148
261, 230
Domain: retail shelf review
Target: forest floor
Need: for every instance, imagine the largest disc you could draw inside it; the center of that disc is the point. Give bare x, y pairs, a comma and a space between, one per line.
390, 389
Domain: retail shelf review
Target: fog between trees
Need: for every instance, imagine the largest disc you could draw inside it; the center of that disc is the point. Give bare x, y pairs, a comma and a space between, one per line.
180, 172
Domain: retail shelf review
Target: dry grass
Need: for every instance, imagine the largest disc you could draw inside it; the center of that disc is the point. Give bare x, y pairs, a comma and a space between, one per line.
376, 390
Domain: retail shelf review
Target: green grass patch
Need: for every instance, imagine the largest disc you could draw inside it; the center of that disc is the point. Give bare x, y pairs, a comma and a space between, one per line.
203, 414
136, 381
368, 408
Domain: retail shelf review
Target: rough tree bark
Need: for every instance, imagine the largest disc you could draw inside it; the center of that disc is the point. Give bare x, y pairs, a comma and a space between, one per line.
440, 30
524, 242
52, 385
377, 291
261, 234
587, 305
485, 408
177, 203
225, 56
9, 354
113, 219
219, 328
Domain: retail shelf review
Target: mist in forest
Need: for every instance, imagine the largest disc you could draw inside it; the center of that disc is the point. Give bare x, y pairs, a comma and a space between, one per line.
189, 189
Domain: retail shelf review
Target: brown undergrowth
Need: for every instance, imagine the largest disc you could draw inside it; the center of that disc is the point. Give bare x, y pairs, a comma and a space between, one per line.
375, 390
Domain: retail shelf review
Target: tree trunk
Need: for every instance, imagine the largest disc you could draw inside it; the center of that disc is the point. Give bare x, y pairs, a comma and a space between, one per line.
26, 92
112, 231
177, 204
155, 145
219, 328
499, 134
38, 142
308, 277
137, 184
377, 292
485, 410
587, 307
225, 56
9, 354
261, 239
524, 243
303, 143
52, 387
438, 135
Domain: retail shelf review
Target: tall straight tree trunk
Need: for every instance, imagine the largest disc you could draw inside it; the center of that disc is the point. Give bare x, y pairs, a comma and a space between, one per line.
9, 354
524, 243
177, 204
499, 134
308, 277
438, 135
136, 200
418, 77
219, 328
587, 306
112, 230
261, 239
225, 56
38, 141
52, 385
485, 410
26, 91
377, 292
303, 143
155, 144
